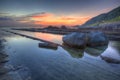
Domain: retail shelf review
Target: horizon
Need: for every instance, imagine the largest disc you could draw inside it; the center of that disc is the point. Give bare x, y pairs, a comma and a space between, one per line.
28, 13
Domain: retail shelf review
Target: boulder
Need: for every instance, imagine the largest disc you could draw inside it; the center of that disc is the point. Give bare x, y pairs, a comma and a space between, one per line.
75, 39
97, 39
110, 60
80, 40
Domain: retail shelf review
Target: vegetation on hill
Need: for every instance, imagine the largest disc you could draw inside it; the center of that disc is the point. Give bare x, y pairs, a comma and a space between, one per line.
112, 16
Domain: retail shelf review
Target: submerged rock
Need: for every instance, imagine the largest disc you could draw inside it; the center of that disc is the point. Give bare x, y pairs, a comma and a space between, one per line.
97, 39
75, 39
48, 45
110, 60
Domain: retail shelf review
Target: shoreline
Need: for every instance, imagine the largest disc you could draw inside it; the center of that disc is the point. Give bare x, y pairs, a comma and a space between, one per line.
112, 35
8, 71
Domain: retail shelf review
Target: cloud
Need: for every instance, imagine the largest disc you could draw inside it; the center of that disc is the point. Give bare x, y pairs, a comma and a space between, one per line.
41, 15
16, 22
5, 19
52, 19
41, 19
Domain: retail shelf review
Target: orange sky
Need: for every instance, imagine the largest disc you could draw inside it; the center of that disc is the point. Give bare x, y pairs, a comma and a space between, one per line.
51, 19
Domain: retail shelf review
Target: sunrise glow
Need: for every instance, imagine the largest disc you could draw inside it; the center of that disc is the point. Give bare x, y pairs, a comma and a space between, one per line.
51, 19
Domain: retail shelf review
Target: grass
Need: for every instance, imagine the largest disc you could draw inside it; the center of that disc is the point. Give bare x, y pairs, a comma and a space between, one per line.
106, 21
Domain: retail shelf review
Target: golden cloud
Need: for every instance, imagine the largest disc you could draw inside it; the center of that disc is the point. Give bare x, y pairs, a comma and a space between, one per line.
51, 19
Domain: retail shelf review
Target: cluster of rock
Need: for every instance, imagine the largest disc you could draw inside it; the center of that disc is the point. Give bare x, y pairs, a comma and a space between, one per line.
81, 40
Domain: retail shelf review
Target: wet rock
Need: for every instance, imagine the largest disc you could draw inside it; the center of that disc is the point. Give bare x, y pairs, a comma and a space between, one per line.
3, 61
19, 72
97, 39
3, 71
48, 45
3, 58
2, 55
110, 60
6, 77
75, 39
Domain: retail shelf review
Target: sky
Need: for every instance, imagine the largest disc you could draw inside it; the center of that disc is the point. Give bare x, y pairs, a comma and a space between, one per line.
30, 13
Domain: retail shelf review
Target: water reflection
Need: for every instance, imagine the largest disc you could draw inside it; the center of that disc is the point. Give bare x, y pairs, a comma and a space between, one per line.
115, 45
78, 53
75, 53
49, 37
46, 64
95, 51
113, 49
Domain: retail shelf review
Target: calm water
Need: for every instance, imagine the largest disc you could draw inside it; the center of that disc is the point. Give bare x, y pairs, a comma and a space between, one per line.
62, 64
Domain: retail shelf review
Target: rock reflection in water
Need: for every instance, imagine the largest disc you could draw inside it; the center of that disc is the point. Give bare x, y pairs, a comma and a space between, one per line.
79, 53
95, 51
75, 53
116, 45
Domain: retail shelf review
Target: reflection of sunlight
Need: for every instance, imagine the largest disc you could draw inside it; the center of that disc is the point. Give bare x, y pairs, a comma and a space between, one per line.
49, 37
111, 52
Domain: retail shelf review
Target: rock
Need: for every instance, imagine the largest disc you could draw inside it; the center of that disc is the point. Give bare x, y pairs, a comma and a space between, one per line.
75, 39
19, 72
97, 39
3, 58
48, 45
3, 71
110, 60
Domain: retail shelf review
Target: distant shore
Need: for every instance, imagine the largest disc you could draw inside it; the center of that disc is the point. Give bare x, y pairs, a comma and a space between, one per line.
113, 34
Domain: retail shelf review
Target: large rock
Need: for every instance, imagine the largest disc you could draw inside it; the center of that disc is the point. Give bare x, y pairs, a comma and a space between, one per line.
80, 40
97, 39
75, 39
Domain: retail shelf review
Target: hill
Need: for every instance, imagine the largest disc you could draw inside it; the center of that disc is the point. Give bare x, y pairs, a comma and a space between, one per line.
109, 18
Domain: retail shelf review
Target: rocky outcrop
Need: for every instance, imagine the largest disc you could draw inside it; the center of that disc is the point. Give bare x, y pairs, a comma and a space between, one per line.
80, 40
97, 39
110, 60
75, 39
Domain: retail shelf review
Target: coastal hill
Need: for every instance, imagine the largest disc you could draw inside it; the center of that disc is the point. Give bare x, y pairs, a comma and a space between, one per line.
103, 20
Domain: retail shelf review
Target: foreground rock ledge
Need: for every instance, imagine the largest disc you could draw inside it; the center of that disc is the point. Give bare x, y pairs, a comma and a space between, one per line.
81, 40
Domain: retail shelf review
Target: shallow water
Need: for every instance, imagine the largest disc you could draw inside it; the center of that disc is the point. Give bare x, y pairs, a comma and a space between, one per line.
45, 36
63, 64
